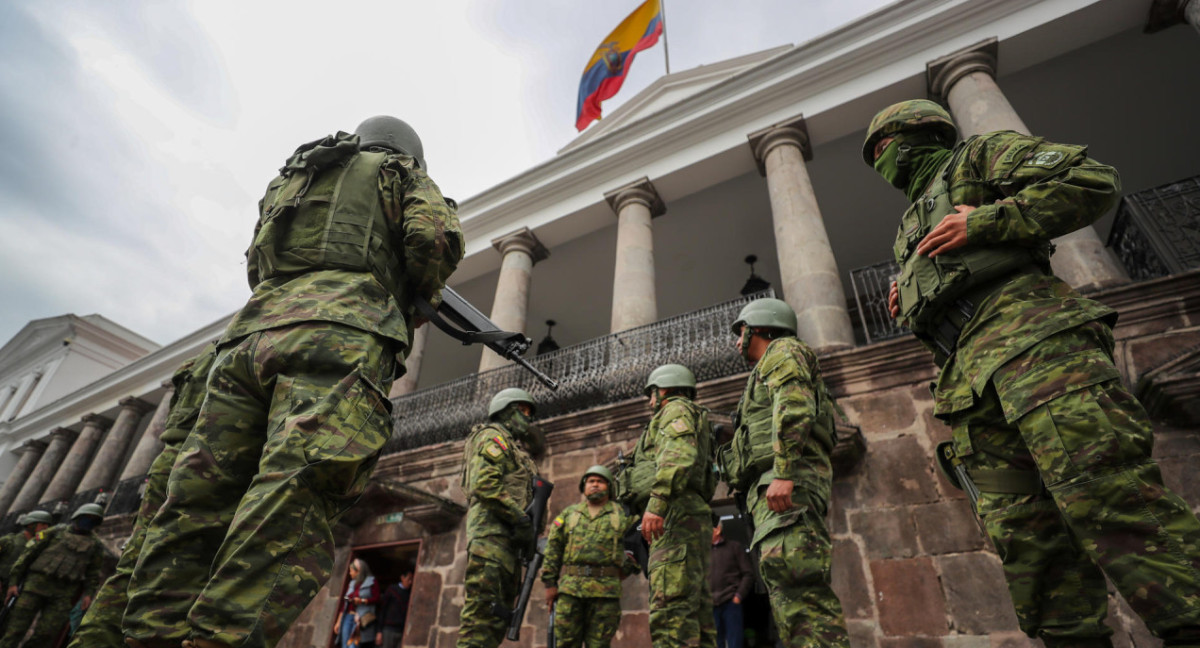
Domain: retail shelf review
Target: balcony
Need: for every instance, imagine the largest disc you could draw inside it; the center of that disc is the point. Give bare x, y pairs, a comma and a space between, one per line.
602, 370
1156, 233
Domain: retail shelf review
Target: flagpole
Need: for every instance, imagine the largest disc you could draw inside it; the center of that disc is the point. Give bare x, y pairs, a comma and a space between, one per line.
662, 4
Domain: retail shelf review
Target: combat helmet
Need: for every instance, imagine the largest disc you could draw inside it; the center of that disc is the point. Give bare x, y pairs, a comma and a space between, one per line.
506, 397
670, 376
88, 509
911, 116
36, 517
767, 312
599, 471
391, 133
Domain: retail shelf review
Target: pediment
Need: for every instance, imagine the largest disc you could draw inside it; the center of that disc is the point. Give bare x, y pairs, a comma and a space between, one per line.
34, 339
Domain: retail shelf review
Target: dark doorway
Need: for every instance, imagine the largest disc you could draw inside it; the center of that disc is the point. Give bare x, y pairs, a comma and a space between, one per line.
386, 562
756, 610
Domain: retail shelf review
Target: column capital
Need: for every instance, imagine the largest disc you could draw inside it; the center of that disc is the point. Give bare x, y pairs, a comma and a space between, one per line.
96, 420
522, 240
941, 74
639, 191
66, 434
134, 403
32, 445
793, 132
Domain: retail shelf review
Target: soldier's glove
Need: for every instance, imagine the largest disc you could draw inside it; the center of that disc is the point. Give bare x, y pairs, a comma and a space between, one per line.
523, 530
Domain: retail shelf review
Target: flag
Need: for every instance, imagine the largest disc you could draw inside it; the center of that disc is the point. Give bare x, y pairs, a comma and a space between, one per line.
605, 72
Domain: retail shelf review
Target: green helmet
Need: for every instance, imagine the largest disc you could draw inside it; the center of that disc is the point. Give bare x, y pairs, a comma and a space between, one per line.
600, 471
909, 116
391, 133
506, 397
88, 509
766, 312
36, 517
671, 375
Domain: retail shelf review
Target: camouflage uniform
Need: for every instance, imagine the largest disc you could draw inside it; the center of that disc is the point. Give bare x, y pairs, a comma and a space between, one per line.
11, 547
787, 410
101, 624
586, 560
1040, 418
498, 480
680, 600
296, 410
56, 567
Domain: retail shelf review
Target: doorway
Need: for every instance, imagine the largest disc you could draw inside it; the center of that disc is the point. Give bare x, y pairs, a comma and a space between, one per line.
386, 562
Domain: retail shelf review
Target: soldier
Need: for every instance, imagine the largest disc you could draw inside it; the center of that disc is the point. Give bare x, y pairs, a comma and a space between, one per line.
586, 560
779, 458
497, 478
11, 545
351, 232
673, 480
58, 566
101, 624
1053, 450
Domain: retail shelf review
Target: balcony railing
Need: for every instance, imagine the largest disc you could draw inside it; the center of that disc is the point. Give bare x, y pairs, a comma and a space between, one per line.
601, 370
871, 285
1157, 231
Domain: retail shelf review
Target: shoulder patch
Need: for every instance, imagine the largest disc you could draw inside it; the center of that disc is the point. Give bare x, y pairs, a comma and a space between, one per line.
1047, 159
679, 425
558, 521
492, 450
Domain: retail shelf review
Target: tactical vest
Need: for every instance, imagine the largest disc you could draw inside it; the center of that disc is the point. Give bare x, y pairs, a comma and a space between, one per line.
66, 556
637, 481
616, 549
928, 287
323, 212
518, 483
750, 456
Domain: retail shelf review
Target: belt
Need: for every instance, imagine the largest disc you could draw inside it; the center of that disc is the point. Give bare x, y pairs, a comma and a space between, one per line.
956, 316
591, 571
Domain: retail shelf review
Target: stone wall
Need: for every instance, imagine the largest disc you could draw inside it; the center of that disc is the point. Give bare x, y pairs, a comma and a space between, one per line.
910, 563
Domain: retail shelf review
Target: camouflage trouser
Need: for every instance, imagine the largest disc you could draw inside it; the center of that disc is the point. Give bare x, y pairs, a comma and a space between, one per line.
491, 577
1104, 507
590, 622
101, 625
680, 599
291, 425
794, 565
53, 599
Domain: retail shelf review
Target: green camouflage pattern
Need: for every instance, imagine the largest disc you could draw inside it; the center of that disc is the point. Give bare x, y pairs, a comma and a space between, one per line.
671, 441
428, 238
680, 598
577, 538
908, 116
497, 478
1032, 386
54, 606
101, 624
585, 621
292, 423
56, 567
787, 403
794, 565
11, 547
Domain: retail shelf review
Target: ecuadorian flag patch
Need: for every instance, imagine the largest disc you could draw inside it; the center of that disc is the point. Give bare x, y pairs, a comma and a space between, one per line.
558, 521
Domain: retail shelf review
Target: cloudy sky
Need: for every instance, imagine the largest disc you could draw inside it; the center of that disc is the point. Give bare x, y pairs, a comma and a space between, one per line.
137, 136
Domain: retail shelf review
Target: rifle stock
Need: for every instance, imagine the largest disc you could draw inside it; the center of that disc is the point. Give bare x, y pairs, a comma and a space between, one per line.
532, 554
460, 320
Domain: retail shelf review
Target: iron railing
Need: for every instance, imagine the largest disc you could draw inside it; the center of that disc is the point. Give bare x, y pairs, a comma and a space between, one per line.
602, 370
871, 285
86, 497
1157, 231
127, 496
8, 523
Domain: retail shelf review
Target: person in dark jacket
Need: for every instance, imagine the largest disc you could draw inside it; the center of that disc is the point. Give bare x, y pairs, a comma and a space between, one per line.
393, 610
731, 578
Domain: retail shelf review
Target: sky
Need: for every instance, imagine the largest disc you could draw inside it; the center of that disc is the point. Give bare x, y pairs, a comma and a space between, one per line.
136, 137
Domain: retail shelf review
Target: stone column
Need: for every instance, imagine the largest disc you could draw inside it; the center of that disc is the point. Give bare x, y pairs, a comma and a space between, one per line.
812, 285
30, 452
149, 446
108, 459
966, 80
412, 364
65, 481
520, 250
634, 299
47, 467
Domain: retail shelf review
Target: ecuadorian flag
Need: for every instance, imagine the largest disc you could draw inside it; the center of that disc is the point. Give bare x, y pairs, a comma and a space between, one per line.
605, 72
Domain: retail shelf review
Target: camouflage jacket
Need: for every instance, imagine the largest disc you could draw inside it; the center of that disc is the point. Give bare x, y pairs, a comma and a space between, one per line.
11, 547
190, 381
497, 479
62, 558
786, 401
1026, 191
671, 442
424, 225
577, 539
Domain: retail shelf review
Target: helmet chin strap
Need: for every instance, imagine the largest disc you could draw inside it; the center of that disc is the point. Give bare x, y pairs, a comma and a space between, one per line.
747, 336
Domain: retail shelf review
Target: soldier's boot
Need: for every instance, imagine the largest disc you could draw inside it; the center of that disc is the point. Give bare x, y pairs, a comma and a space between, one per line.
197, 642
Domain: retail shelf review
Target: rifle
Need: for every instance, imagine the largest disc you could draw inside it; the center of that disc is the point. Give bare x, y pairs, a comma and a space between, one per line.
6, 611
633, 541
551, 641
532, 556
460, 320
